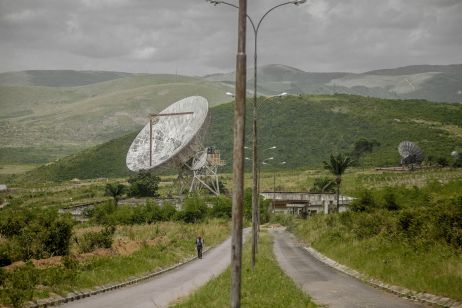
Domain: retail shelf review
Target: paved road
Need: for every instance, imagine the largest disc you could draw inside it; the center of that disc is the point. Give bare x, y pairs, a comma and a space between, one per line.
326, 285
163, 289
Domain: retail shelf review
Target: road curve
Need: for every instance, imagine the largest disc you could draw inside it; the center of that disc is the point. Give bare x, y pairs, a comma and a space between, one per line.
163, 289
326, 285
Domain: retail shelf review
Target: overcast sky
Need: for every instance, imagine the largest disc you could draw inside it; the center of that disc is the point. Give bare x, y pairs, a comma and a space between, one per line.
192, 37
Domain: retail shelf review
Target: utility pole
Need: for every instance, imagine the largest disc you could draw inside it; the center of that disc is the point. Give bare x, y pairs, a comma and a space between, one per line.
238, 159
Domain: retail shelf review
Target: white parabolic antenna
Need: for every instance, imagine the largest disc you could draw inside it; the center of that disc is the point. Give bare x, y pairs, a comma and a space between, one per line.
171, 137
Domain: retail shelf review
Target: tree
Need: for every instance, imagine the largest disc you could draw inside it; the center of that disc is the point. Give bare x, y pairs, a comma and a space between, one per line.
115, 190
337, 165
363, 146
144, 184
322, 185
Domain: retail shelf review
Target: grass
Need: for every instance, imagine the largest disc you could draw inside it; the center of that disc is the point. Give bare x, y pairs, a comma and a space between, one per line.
354, 179
266, 286
16, 169
419, 264
149, 248
173, 243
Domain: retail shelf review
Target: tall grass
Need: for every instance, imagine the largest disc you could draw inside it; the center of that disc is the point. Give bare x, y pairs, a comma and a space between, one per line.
417, 246
265, 286
157, 246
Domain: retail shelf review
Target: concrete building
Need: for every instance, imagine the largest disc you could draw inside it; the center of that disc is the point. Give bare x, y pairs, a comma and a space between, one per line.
305, 203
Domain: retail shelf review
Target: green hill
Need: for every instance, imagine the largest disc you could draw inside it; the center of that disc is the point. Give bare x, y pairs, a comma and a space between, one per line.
39, 124
57, 78
305, 131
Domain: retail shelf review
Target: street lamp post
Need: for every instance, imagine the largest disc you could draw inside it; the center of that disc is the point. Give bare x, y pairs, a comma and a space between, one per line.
254, 122
274, 184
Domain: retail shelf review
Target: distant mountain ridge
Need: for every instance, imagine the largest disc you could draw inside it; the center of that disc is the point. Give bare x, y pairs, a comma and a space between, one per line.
438, 83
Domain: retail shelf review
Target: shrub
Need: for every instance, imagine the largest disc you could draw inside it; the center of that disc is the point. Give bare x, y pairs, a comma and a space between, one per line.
70, 262
390, 201
194, 209
144, 184
92, 240
115, 190
20, 284
222, 207
442, 162
5, 258
365, 202
36, 233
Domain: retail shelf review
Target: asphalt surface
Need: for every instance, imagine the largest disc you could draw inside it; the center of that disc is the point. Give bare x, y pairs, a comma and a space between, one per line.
326, 285
166, 288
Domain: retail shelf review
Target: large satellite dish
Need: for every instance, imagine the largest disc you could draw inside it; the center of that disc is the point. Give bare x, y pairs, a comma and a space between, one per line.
173, 139
410, 153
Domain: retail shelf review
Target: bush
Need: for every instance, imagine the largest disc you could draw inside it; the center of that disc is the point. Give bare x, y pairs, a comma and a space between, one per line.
20, 284
222, 207
194, 209
144, 184
36, 233
5, 258
92, 240
390, 201
364, 203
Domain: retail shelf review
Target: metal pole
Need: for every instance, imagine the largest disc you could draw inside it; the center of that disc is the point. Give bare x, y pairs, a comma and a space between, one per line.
150, 141
254, 157
274, 187
238, 159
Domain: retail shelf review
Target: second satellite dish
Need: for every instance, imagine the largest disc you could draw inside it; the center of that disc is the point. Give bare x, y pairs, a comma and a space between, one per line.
171, 137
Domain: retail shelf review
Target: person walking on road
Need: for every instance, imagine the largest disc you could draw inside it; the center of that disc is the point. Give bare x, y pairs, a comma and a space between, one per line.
199, 245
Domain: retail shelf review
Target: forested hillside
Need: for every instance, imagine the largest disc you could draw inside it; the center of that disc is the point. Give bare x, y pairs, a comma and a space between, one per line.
305, 131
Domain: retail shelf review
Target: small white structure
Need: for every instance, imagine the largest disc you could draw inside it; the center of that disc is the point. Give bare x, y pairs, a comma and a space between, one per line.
3, 187
305, 202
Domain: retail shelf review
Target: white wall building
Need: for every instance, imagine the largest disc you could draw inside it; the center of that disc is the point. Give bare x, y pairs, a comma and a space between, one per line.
305, 202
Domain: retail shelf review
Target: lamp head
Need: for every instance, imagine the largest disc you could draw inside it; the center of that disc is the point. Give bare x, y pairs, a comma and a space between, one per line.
214, 2
230, 94
283, 94
297, 2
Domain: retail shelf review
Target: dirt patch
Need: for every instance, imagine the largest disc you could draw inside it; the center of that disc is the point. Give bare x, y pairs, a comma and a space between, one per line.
124, 247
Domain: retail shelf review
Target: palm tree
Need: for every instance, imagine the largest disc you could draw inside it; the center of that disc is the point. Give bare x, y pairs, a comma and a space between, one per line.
337, 165
115, 190
322, 185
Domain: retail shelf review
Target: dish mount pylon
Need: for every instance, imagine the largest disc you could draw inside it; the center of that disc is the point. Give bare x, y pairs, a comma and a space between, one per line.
205, 166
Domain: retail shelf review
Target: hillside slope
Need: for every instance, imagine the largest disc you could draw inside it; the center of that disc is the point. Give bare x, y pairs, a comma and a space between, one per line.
305, 131
40, 124
439, 83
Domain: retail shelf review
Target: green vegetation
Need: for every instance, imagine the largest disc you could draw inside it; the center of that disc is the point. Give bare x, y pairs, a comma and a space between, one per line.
410, 237
337, 165
144, 184
306, 130
150, 248
49, 114
33, 234
265, 286
115, 190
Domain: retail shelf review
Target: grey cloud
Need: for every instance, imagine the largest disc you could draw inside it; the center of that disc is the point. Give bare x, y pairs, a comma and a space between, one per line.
194, 37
